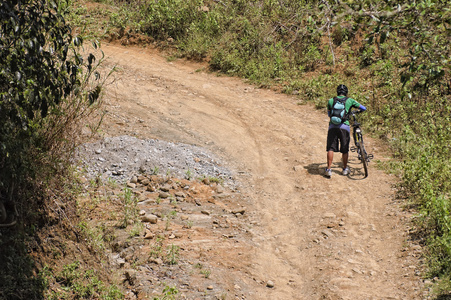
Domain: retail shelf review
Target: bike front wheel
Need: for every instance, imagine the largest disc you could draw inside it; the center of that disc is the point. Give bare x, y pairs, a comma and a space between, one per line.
363, 157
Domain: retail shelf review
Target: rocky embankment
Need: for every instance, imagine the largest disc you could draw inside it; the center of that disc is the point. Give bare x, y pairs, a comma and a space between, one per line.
165, 234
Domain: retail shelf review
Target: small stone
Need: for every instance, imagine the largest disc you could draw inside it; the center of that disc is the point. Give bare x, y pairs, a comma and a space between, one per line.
165, 188
329, 215
152, 219
131, 185
134, 179
130, 276
180, 194
163, 195
149, 235
205, 212
219, 189
98, 151
210, 287
238, 211
327, 233
118, 260
270, 284
298, 168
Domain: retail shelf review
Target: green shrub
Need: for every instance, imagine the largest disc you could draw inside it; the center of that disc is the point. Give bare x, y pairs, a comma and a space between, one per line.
170, 18
83, 284
45, 88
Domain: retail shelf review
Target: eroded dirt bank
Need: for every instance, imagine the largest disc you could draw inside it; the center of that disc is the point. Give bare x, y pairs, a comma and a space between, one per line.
312, 237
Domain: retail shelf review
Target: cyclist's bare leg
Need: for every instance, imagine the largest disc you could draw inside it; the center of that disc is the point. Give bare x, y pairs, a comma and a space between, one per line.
344, 158
330, 158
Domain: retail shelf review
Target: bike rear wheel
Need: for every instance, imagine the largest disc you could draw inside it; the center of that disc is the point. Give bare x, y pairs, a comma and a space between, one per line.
363, 156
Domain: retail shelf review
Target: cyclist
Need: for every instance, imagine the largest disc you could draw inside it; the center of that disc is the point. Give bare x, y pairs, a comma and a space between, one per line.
338, 135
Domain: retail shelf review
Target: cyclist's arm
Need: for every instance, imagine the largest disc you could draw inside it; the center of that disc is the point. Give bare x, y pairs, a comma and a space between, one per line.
358, 106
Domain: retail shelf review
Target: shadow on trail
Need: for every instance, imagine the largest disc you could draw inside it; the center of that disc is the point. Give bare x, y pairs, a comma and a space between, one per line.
356, 169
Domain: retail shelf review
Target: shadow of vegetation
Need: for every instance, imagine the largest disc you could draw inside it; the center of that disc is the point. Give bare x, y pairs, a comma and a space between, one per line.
443, 297
18, 278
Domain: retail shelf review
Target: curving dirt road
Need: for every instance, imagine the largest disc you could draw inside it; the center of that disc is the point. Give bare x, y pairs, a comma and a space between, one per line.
314, 238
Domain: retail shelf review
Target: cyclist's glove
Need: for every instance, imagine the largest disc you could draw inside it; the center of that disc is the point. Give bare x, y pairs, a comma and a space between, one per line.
362, 108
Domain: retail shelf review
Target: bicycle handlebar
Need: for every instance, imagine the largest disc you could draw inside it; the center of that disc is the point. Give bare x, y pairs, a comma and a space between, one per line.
354, 112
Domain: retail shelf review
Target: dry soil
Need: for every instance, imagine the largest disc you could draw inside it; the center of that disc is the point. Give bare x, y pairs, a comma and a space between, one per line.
307, 236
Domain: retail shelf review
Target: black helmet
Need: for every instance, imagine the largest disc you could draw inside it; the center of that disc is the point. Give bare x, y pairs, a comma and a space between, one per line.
342, 90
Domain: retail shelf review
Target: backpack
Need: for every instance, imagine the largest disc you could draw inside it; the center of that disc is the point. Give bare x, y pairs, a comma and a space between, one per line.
338, 113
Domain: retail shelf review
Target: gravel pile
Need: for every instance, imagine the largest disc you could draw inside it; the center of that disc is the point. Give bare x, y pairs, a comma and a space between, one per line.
122, 157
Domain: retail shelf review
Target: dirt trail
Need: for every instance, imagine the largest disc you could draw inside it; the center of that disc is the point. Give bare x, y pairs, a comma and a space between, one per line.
315, 238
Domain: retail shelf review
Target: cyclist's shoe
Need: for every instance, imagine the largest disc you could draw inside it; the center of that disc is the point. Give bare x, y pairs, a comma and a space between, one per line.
328, 173
345, 171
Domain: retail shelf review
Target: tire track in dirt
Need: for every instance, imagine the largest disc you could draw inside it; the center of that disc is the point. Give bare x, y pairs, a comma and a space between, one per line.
316, 238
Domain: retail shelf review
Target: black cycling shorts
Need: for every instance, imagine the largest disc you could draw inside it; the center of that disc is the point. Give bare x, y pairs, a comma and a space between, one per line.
338, 137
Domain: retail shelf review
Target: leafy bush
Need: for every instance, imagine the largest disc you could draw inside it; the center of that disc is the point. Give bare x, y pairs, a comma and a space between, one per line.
83, 284
43, 92
170, 18
46, 87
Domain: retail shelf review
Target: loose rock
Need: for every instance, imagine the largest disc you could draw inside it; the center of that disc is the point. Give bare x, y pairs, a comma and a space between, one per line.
152, 219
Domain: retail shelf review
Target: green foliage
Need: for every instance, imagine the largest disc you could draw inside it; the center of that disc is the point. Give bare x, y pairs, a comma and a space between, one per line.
172, 254
206, 273
156, 249
77, 283
425, 152
169, 18
130, 205
188, 174
95, 236
169, 293
45, 87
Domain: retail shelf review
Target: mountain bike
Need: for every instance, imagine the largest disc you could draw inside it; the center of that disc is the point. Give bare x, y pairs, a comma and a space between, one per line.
359, 147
